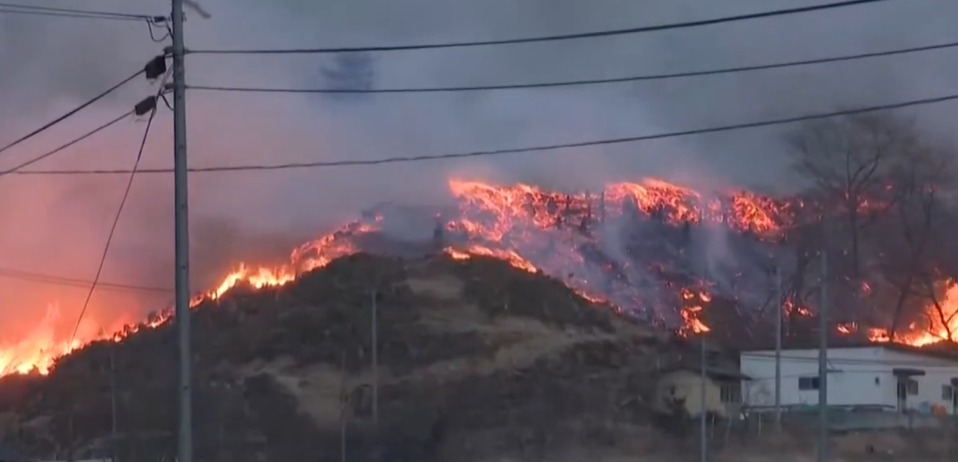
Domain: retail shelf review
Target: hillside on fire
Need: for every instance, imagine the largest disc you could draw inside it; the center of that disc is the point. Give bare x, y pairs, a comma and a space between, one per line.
514, 296
474, 355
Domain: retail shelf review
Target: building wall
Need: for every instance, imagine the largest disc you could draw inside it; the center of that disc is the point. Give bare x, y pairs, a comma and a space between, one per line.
857, 377
688, 385
938, 373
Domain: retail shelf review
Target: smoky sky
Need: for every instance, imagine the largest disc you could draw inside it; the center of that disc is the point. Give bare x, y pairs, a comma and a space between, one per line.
58, 225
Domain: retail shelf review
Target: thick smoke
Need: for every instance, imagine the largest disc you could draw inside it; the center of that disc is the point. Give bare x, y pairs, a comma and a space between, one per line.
58, 225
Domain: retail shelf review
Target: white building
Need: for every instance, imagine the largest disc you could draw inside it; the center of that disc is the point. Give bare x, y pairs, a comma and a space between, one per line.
887, 375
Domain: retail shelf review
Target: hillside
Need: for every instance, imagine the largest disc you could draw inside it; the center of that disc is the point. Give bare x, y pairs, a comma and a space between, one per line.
477, 358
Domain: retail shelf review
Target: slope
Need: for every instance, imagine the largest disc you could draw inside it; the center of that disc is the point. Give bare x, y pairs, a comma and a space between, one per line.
475, 358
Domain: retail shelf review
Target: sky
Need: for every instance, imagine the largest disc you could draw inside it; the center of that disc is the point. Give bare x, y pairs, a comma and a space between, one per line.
58, 225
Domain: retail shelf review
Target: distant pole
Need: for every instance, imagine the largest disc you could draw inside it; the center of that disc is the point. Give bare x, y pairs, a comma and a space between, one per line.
703, 428
344, 404
375, 359
113, 399
778, 348
602, 206
182, 236
823, 365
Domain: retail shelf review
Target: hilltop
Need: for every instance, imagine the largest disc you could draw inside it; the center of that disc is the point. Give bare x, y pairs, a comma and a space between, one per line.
476, 359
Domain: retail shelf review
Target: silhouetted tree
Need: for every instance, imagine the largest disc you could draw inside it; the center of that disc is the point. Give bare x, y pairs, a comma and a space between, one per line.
849, 162
918, 253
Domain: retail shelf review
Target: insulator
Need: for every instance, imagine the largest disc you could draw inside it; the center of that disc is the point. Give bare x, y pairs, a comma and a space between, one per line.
155, 68
146, 106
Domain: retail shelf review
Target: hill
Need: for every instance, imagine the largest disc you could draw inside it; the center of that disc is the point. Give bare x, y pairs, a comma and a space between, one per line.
476, 359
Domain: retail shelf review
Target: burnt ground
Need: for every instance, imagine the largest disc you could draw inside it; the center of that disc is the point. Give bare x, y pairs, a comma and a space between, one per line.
476, 360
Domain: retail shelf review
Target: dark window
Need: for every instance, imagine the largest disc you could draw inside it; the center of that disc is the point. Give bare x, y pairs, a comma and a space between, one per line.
713, 358
912, 386
730, 393
947, 392
808, 383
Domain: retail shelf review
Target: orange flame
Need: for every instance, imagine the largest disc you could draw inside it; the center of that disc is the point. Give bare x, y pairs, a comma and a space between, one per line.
691, 313
936, 328
499, 222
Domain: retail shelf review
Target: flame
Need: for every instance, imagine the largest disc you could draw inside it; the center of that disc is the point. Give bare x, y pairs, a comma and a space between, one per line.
508, 255
256, 278
677, 205
38, 351
936, 328
691, 314
517, 224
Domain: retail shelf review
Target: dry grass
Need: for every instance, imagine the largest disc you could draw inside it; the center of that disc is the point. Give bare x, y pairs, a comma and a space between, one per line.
518, 341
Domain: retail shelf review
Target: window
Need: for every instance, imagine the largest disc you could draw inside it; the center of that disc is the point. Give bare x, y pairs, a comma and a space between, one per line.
713, 358
730, 393
808, 383
912, 386
947, 392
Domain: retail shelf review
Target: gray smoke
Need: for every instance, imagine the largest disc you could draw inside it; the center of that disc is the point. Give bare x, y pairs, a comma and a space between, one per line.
58, 225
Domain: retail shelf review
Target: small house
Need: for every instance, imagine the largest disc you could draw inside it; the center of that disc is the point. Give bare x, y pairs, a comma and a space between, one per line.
680, 386
885, 375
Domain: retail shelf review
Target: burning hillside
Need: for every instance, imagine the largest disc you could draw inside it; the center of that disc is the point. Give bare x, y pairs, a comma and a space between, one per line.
472, 344
654, 250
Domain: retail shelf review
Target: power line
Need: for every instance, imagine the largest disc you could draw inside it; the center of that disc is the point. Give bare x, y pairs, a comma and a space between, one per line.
119, 211
499, 152
10, 273
75, 13
727, 70
59, 15
73, 111
606, 33
86, 135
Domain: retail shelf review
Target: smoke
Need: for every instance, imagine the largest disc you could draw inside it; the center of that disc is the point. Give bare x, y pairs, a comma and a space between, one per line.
58, 225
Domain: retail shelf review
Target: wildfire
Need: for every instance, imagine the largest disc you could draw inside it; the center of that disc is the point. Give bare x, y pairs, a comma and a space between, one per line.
939, 326
690, 314
676, 205
532, 229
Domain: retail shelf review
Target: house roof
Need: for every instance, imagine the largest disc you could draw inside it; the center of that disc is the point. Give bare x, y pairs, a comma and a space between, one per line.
721, 372
941, 352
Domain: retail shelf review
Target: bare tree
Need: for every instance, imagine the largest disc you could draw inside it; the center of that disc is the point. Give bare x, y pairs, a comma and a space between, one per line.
918, 254
848, 162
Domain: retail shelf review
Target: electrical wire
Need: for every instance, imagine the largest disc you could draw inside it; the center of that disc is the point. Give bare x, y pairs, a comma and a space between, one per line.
119, 211
168, 34
727, 70
59, 15
606, 33
500, 152
9, 273
65, 146
71, 12
73, 111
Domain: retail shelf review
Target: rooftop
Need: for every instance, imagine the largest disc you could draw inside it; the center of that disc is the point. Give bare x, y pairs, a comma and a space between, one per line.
948, 352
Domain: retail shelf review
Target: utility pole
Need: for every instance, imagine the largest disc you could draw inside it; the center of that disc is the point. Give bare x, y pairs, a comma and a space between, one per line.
703, 428
375, 359
113, 399
182, 237
823, 365
778, 348
344, 403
